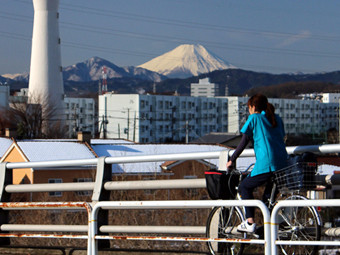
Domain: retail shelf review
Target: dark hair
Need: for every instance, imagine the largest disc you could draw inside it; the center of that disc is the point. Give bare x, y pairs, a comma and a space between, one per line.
261, 104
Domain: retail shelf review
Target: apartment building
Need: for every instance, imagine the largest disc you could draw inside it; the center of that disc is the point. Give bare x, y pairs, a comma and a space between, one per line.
80, 115
160, 118
300, 116
204, 88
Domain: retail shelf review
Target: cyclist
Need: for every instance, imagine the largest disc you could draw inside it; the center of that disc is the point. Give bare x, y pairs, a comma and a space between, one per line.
266, 130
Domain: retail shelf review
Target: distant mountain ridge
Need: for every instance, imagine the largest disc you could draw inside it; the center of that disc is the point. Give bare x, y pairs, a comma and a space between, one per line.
83, 77
91, 70
185, 61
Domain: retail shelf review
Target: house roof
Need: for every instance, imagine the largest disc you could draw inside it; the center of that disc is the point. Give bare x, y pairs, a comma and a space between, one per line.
150, 149
5, 143
110, 141
48, 151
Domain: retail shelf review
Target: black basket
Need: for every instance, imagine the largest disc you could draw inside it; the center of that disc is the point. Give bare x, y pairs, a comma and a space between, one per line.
300, 176
221, 184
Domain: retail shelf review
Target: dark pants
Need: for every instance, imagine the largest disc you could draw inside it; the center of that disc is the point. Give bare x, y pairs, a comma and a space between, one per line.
248, 185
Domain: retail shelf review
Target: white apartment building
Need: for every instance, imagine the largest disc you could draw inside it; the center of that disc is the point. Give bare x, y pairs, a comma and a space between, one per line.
299, 116
80, 115
204, 88
159, 118
322, 97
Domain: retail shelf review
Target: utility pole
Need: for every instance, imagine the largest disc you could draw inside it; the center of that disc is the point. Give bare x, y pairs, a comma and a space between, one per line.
186, 131
105, 120
128, 124
134, 128
173, 120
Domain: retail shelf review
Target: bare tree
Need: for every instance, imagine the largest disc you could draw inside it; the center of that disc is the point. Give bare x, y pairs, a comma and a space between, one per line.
33, 120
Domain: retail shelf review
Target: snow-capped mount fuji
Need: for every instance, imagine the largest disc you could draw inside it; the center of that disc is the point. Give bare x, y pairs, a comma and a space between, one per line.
186, 60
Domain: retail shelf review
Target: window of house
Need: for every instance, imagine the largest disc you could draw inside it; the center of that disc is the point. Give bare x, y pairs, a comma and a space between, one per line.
55, 193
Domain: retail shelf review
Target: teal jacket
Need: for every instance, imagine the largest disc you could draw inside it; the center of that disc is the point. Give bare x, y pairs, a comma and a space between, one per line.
269, 147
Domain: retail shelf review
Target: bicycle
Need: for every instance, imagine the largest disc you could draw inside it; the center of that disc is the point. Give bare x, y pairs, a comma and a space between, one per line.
298, 223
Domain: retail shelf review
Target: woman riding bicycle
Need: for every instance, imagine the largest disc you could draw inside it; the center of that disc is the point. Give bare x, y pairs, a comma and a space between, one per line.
266, 130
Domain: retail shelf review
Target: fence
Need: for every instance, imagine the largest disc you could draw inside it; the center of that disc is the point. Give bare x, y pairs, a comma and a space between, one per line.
103, 185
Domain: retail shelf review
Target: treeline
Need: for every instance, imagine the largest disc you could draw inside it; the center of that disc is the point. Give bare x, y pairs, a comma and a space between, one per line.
293, 89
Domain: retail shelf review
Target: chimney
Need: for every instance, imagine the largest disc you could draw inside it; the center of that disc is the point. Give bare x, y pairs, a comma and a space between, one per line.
11, 133
84, 136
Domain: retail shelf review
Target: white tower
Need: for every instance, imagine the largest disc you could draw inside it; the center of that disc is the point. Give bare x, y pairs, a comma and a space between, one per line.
46, 82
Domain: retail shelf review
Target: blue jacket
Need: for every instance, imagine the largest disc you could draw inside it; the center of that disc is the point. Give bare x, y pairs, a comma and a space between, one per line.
269, 147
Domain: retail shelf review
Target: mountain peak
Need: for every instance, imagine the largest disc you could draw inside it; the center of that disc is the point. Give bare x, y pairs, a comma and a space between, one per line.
186, 60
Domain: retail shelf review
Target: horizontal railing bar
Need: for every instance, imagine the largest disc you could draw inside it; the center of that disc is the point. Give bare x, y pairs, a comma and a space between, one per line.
157, 184
55, 163
327, 148
43, 205
164, 157
183, 239
45, 236
122, 185
199, 230
50, 187
176, 204
321, 242
44, 228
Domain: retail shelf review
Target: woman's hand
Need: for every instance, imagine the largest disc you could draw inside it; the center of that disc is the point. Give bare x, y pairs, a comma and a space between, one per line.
229, 164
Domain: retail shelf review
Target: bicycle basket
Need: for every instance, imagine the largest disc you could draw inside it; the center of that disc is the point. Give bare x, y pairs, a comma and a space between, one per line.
299, 176
221, 184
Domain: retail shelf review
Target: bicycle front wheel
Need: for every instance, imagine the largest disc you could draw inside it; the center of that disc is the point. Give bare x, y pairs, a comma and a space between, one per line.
299, 223
222, 223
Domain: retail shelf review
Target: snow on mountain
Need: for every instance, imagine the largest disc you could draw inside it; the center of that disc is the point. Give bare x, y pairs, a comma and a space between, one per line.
17, 77
91, 70
144, 74
186, 60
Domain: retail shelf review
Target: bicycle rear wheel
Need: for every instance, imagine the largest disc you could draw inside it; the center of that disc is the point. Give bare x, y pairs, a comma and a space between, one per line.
222, 223
299, 223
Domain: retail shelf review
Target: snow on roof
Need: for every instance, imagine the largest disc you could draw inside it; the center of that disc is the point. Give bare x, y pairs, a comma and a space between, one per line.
110, 141
5, 143
150, 149
47, 151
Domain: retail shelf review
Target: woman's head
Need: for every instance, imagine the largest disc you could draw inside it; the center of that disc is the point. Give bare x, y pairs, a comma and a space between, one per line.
260, 103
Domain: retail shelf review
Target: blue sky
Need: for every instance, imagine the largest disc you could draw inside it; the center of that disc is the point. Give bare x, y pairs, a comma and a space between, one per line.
271, 36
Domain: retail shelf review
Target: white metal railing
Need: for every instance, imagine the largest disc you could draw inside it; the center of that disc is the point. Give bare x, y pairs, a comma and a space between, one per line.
102, 184
298, 203
47, 228
117, 205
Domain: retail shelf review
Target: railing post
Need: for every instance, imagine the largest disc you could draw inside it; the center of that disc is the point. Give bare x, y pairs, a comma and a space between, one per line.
223, 159
103, 174
6, 177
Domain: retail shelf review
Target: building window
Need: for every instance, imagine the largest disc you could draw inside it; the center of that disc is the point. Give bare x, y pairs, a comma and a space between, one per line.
55, 193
